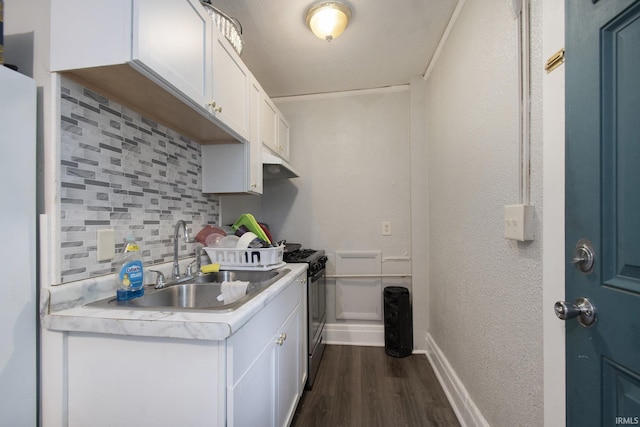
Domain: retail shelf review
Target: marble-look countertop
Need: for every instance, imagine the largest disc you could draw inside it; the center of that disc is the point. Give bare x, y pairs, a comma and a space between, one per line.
63, 308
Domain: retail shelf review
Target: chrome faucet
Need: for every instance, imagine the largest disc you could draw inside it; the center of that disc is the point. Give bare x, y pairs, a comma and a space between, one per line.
197, 262
187, 239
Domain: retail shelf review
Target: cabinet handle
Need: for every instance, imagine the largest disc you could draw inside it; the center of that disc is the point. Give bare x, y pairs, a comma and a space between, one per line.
215, 106
281, 339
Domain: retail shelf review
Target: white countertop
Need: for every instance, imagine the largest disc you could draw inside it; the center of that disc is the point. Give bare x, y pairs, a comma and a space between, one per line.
62, 308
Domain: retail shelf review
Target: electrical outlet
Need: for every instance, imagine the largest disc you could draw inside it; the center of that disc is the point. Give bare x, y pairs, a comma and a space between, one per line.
386, 228
106, 245
518, 222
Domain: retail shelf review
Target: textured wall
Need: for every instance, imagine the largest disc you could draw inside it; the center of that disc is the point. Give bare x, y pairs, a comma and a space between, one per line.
123, 171
485, 291
352, 151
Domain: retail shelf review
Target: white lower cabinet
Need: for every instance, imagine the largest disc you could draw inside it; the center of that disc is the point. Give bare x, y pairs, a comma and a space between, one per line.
288, 368
251, 379
252, 400
264, 364
126, 381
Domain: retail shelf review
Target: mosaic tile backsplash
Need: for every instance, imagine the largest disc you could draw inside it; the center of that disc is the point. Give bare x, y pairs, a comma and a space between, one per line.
123, 171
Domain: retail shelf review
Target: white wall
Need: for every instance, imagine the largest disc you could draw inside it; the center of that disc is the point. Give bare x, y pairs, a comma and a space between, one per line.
353, 153
485, 291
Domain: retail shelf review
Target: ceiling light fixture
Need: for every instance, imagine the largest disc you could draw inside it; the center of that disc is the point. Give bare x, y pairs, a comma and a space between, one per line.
327, 20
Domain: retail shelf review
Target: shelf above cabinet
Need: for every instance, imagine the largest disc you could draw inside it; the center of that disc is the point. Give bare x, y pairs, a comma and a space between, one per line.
126, 85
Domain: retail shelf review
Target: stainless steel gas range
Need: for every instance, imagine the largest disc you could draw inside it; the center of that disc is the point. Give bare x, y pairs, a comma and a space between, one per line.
316, 304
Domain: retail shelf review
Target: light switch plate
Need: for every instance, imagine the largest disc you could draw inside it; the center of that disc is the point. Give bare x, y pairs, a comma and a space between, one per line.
518, 222
106, 245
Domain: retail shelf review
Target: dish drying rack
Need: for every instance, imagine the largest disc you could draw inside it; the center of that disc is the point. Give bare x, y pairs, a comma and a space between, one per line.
228, 26
247, 259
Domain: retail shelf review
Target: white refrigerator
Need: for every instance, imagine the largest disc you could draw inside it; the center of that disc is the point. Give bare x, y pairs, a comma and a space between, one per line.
18, 309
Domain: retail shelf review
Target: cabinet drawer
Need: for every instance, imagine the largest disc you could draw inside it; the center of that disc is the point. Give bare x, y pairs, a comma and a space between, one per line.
245, 345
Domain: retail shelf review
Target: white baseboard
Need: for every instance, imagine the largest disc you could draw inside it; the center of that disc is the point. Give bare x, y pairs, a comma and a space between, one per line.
466, 410
344, 334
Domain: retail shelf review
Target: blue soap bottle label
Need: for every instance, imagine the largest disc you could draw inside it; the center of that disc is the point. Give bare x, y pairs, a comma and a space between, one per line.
131, 275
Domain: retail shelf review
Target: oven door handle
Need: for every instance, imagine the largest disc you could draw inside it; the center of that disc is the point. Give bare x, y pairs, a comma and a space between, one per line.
317, 275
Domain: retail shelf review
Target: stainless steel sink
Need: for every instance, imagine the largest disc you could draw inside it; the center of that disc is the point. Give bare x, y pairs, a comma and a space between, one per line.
198, 293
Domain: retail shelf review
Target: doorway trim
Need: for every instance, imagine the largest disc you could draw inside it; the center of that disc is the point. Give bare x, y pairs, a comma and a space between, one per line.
553, 117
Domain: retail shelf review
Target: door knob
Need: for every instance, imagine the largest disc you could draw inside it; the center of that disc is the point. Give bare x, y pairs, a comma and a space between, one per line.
582, 309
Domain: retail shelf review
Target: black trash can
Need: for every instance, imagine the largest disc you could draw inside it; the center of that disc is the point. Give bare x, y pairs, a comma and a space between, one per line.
398, 323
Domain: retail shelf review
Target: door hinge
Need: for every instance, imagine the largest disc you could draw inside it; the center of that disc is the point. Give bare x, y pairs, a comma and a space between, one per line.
554, 61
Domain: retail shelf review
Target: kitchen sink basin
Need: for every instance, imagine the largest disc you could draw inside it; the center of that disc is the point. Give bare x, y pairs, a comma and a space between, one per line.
202, 293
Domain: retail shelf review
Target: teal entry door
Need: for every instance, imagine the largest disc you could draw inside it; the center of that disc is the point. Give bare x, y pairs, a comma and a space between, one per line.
602, 282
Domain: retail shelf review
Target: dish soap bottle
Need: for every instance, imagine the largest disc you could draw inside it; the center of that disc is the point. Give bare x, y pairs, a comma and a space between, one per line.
129, 271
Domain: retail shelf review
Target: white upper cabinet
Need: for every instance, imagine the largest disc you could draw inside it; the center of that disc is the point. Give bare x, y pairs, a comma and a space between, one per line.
269, 123
283, 137
87, 34
166, 59
274, 128
255, 172
230, 86
152, 55
172, 38
236, 168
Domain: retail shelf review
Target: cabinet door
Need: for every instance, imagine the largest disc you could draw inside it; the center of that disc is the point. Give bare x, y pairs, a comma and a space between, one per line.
304, 328
253, 398
124, 381
255, 152
225, 168
88, 34
289, 367
172, 39
269, 123
230, 87
283, 137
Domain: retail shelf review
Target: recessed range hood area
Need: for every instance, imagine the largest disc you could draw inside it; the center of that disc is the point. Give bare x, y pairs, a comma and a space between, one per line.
274, 167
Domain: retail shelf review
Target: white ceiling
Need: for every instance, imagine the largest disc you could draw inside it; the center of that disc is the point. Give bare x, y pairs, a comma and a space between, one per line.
386, 43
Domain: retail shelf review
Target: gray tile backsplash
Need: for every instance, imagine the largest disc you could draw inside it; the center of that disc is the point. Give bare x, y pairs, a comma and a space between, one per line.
123, 171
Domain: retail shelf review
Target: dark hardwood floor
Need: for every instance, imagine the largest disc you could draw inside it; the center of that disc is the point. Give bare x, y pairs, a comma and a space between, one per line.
363, 386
